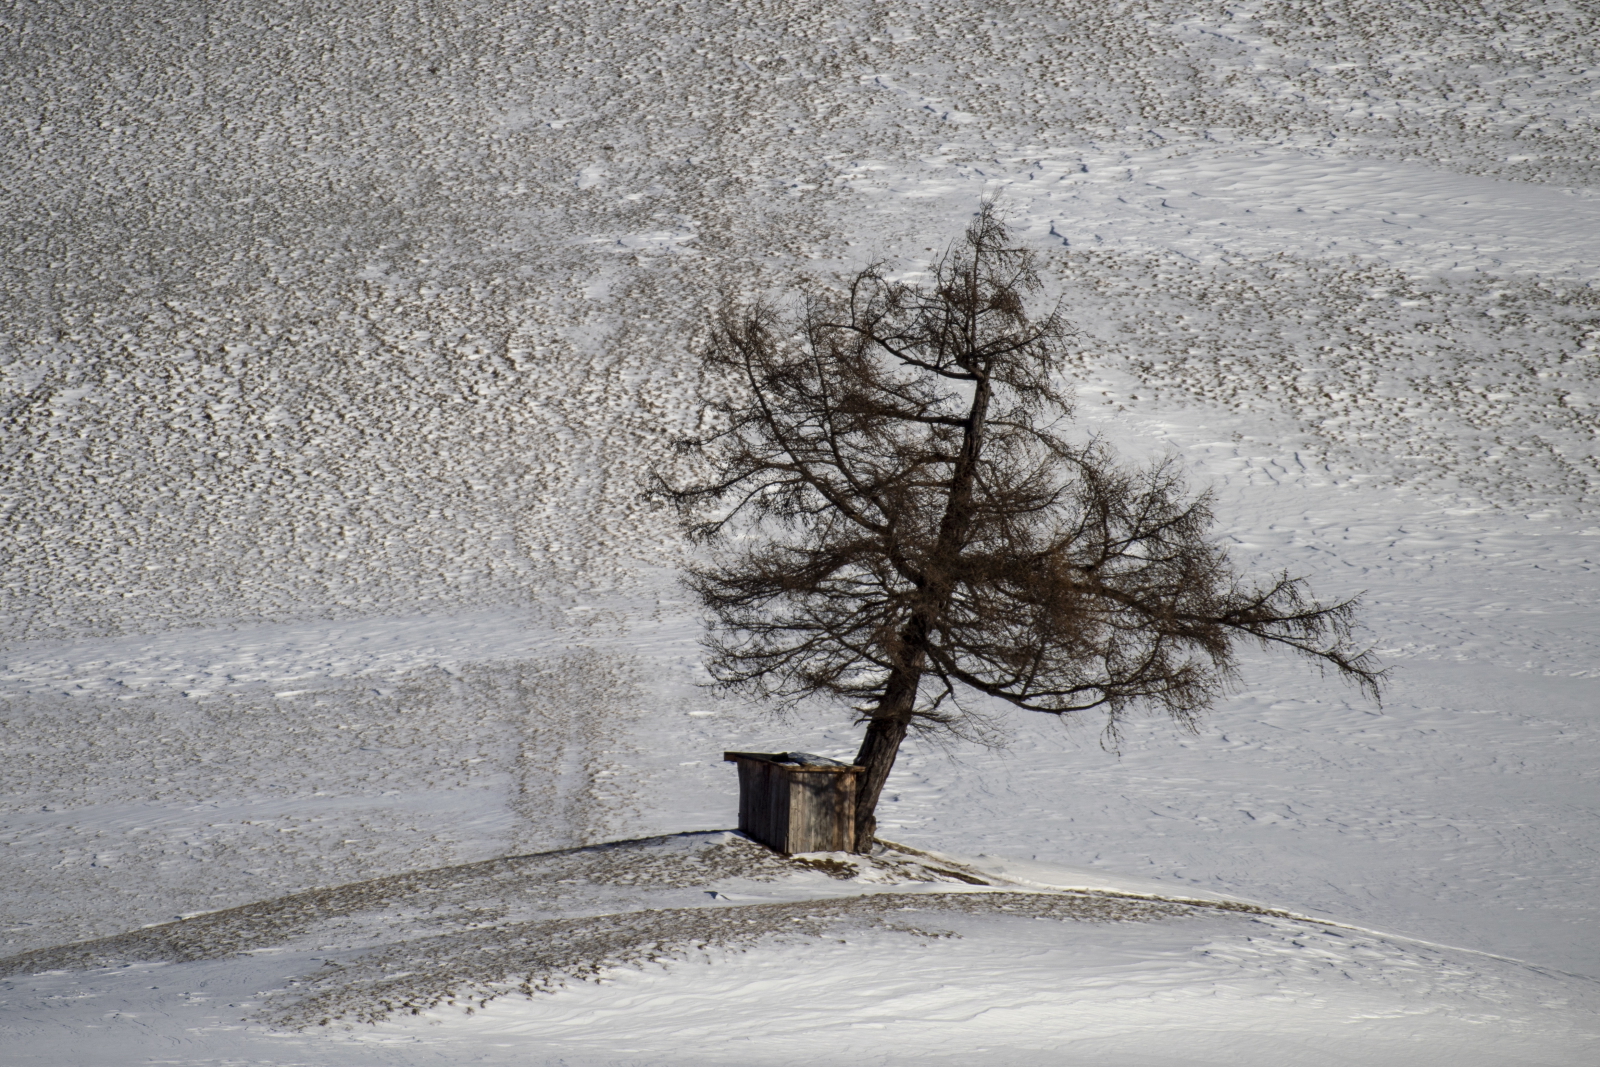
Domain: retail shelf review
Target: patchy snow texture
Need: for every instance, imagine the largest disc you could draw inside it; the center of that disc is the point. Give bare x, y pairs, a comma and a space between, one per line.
337, 341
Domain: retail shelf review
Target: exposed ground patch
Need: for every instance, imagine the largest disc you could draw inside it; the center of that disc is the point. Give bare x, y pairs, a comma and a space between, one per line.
474, 967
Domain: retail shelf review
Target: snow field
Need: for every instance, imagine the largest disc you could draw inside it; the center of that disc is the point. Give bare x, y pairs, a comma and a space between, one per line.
335, 343
1191, 991
407, 288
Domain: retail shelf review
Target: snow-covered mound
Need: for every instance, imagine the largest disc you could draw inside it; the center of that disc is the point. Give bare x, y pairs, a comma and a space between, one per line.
336, 341
467, 934
711, 934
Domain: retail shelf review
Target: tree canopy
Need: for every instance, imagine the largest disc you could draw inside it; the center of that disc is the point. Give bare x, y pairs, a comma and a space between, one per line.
897, 518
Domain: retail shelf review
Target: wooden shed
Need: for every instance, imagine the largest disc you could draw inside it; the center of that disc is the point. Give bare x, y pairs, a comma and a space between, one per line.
796, 802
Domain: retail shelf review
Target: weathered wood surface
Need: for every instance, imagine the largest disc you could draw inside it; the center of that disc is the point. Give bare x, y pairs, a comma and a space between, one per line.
792, 808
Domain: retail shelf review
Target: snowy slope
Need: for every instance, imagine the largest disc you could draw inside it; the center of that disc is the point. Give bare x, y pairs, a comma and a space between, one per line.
336, 340
661, 948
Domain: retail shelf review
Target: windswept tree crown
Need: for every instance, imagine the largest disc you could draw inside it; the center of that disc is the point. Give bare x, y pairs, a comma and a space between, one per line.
895, 515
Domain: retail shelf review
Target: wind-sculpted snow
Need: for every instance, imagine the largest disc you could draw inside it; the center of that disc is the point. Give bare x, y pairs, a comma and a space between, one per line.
517, 949
422, 903
352, 308
337, 341
474, 968
1383, 370
412, 942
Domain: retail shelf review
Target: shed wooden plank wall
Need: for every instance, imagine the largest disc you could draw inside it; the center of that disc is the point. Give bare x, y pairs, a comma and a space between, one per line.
822, 811
764, 803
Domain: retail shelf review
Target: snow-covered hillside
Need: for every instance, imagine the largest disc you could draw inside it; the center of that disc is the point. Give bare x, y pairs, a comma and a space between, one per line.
335, 341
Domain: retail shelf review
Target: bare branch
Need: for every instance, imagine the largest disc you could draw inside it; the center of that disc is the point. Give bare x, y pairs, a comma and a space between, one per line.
911, 526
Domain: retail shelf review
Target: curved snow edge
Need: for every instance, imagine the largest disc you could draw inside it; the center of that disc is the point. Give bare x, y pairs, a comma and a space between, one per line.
1047, 877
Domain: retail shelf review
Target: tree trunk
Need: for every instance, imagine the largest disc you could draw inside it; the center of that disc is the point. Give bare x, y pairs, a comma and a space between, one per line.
892, 718
878, 750
887, 728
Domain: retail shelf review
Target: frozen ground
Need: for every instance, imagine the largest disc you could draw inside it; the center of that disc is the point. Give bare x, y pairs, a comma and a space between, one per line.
335, 341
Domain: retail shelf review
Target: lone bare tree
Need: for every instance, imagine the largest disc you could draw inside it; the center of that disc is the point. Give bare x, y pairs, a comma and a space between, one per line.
896, 522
